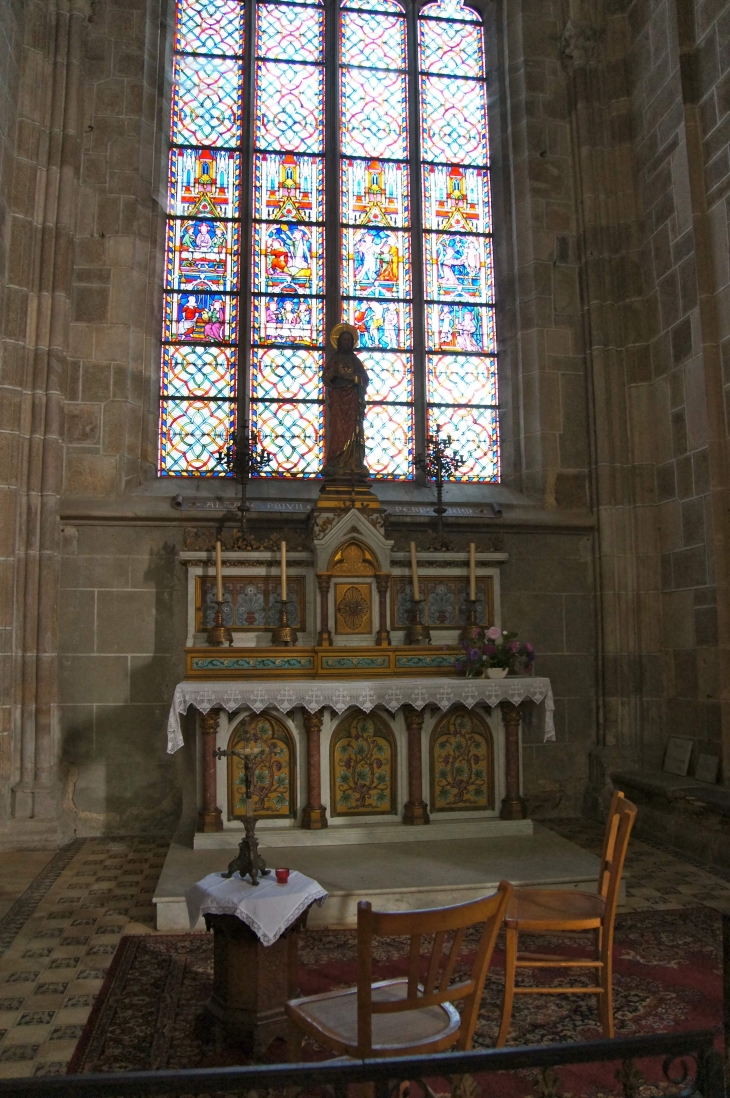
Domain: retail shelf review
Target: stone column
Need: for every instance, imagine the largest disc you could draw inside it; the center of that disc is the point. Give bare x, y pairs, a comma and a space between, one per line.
513, 806
415, 810
209, 817
314, 815
382, 639
324, 637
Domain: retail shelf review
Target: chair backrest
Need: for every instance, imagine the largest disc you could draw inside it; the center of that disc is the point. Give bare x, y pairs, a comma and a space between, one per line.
621, 816
436, 987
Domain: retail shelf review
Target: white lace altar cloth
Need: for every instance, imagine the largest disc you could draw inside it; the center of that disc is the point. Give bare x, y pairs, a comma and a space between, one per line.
268, 908
366, 695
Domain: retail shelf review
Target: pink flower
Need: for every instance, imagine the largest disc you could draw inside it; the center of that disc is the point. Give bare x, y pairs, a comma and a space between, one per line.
513, 646
490, 649
493, 633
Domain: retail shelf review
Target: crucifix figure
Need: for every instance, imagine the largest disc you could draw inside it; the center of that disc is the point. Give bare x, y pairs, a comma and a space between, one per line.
248, 860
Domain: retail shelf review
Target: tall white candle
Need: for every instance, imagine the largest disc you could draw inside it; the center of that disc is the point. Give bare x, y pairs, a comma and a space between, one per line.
414, 572
218, 572
472, 572
283, 571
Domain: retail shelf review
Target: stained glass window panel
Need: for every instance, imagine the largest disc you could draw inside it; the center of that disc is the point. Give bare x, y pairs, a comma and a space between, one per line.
297, 320
375, 263
458, 267
288, 187
372, 5
456, 198
192, 433
460, 328
201, 318
389, 440
283, 373
390, 376
461, 379
375, 192
292, 433
373, 105
199, 372
210, 26
453, 120
204, 182
289, 107
449, 9
202, 255
382, 325
287, 258
453, 49
377, 41
206, 101
475, 432
286, 33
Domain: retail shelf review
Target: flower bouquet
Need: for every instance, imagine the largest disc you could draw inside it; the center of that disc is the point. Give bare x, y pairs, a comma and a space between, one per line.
495, 651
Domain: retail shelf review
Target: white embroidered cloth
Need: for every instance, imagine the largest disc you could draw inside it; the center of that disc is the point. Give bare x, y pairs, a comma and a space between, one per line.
268, 908
365, 694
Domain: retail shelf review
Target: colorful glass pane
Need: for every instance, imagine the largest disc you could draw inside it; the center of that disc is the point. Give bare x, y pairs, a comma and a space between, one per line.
206, 104
457, 267
372, 5
453, 120
462, 379
288, 320
288, 187
192, 433
287, 258
456, 198
202, 372
374, 193
204, 183
454, 49
475, 432
390, 376
377, 41
210, 26
288, 34
375, 263
289, 107
449, 9
382, 325
460, 328
293, 434
389, 440
373, 106
283, 373
202, 255
201, 318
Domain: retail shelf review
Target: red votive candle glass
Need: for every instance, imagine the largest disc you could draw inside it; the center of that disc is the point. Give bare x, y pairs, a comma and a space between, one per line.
282, 876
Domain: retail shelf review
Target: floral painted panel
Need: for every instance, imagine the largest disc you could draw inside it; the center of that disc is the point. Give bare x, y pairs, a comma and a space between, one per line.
362, 767
251, 602
445, 602
462, 763
274, 778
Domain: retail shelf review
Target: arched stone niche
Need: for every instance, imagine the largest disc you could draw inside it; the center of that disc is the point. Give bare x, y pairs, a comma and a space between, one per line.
275, 775
461, 762
363, 766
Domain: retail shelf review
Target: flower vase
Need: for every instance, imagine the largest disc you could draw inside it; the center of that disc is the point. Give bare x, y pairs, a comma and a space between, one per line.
496, 672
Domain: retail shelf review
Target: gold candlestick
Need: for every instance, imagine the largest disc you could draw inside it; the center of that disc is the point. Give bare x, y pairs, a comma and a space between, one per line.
219, 634
285, 635
472, 631
417, 632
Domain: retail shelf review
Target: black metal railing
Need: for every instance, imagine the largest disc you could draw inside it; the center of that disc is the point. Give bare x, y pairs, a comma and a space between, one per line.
689, 1061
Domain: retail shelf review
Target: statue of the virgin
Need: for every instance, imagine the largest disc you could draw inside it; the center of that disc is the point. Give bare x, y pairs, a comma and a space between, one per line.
346, 381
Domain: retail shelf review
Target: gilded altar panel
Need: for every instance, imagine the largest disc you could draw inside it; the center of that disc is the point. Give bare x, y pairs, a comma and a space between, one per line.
250, 603
353, 608
461, 762
274, 782
362, 766
445, 601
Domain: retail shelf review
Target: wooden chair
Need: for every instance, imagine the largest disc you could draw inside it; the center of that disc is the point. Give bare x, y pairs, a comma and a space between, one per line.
549, 911
403, 1016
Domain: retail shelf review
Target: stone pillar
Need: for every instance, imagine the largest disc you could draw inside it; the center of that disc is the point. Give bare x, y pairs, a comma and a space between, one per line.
314, 815
209, 817
382, 639
513, 806
415, 810
324, 637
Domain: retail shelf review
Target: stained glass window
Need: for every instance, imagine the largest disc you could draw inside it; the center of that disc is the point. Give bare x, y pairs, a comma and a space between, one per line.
260, 263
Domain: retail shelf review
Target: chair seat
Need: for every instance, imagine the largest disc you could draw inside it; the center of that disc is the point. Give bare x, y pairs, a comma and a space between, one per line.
533, 909
332, 1019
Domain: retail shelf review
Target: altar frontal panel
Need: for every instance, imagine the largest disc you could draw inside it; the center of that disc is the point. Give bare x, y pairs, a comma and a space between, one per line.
445, 601
461, 762
250, 603
274, 781
362, 766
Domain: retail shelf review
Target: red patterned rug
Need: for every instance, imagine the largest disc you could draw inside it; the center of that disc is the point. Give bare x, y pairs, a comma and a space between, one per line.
667, 977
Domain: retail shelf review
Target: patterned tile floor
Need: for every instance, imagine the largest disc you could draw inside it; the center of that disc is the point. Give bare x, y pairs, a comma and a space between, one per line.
57, 941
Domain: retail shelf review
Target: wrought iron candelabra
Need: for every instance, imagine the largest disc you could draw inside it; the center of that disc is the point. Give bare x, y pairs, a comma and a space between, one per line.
248, 861
244, 458
439, 464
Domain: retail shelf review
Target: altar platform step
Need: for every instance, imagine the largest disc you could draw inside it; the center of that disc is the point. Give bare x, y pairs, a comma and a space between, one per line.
404, 876
374, 832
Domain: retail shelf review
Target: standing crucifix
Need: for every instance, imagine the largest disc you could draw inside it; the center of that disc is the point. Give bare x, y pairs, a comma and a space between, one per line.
248, 860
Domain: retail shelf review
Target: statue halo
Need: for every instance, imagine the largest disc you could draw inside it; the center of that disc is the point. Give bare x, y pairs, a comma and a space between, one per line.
338, 328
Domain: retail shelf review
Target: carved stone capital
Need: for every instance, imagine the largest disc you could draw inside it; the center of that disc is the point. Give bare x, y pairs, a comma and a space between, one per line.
413, 718
324, 582
313, 722
382, 580
209, 722
579, 44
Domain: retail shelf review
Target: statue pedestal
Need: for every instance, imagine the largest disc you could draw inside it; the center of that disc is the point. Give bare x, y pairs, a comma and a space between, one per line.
344, 496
